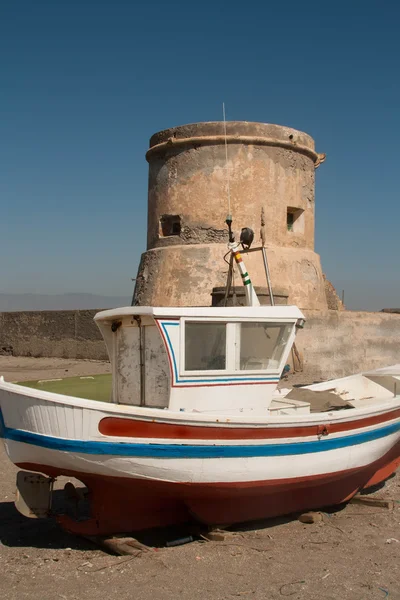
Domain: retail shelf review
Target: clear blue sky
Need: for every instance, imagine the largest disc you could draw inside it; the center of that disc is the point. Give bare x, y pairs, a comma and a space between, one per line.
84, 84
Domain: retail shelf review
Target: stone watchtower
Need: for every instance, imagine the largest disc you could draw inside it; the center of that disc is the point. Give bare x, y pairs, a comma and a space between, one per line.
271, 170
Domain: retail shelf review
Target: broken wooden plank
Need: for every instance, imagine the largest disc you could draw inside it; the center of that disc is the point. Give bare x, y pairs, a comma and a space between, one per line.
214, 536
368, 501
122, 546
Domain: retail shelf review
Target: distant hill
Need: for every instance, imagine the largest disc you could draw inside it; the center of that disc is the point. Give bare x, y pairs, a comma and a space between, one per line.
21, 302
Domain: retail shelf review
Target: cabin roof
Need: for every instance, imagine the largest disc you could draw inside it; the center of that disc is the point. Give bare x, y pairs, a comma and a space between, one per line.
227, 312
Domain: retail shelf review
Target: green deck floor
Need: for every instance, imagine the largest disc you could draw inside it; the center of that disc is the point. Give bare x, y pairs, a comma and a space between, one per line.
92, 387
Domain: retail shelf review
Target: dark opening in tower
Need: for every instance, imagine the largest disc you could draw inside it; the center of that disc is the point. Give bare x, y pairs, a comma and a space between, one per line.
295, 219
170, 225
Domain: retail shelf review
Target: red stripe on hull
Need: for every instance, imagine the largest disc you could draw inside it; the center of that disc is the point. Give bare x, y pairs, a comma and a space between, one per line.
122, 505
125, 427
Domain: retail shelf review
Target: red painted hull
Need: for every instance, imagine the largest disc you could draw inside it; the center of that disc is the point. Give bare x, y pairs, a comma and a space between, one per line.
123, 505
390, 464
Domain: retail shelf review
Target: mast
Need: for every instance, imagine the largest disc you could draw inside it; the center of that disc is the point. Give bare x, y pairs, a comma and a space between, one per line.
234, 247
251, 296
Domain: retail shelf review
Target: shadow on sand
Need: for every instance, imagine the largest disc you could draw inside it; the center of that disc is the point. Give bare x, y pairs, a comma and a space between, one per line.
19, 531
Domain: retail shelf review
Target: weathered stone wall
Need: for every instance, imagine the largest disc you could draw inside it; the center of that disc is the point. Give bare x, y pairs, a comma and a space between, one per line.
271, 170
333, 343
269, 166
163, 278
62, 334
332, 299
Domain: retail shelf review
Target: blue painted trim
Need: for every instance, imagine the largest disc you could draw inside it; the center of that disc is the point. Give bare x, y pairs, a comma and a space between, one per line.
216, 378
171, 349
196, 451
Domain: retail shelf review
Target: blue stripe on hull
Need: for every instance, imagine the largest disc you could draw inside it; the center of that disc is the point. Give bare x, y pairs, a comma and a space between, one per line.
194, 451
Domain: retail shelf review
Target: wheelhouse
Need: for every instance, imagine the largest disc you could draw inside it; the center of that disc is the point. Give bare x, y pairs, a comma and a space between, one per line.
198, 359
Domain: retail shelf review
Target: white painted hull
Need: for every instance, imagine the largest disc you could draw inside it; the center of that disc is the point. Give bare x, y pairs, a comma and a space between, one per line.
184, 470
60, 435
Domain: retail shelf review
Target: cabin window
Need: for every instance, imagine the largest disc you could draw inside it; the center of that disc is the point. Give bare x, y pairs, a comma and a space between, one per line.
205, 346
261, 345
233, 346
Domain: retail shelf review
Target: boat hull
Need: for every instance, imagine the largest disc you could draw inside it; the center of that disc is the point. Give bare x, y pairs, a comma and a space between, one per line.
147, 468
121, 504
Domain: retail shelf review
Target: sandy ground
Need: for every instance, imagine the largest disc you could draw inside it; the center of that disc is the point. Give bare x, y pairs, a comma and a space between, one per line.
353, 554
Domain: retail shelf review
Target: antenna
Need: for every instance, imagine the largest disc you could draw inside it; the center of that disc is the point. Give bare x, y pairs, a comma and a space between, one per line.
226, 165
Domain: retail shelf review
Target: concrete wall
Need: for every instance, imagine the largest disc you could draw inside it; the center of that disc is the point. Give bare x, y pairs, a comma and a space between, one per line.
339, 343
333, 343
62, 334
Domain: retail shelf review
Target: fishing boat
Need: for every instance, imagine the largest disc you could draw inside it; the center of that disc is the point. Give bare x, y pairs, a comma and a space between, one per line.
197, 428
